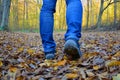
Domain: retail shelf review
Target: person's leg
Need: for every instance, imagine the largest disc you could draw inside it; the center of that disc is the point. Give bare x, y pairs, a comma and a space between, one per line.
46, 27
74, 19
73, 34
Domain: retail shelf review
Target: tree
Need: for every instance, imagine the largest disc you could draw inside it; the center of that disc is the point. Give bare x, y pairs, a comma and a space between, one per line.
87, 18
92, 12
5, 14
102, 9
115, 12
1, 8
15, 13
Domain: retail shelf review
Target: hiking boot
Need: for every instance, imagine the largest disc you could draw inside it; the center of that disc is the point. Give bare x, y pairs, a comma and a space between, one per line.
72, 50
49, 55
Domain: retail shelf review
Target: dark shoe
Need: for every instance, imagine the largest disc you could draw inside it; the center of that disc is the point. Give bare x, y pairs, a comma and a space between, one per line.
72, 50
50, 55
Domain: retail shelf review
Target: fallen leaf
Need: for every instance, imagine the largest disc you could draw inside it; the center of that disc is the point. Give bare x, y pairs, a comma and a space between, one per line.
96, 67
117, 54
71, 75
21, 78
113, 63
13, 69
20, 49
103, 75
90, 73
82, 72
60, 63
1, 63
30, 51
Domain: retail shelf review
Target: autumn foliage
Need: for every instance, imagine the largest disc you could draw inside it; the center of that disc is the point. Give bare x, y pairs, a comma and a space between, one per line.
21, 58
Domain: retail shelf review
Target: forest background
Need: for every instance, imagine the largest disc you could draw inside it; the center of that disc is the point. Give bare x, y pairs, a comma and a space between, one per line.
23, 15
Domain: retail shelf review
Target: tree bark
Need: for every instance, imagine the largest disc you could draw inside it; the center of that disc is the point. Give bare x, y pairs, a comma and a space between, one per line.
5, 16
100, 14
92, 13
102, 9
15, 14
87, 18
1, 11
115, 12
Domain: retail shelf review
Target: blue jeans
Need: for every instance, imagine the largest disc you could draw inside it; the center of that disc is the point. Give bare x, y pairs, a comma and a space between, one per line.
73, 17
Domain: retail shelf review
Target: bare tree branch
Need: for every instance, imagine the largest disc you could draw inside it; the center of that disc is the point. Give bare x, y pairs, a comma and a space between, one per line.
110, 3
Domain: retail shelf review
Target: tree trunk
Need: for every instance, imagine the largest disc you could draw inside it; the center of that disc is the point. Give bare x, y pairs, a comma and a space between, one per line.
23, 17
115, 12
107, 16
5, 16
100, 15
92, 14
1, 12
15, 14
27, 14
87, 18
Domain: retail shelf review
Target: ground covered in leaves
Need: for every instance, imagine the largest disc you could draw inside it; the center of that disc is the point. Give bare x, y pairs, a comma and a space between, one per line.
22, 58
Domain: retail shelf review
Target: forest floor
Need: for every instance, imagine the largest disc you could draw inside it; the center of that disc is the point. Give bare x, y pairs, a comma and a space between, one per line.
22, 58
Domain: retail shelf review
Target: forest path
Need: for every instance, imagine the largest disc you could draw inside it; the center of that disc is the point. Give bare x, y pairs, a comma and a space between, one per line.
22, 58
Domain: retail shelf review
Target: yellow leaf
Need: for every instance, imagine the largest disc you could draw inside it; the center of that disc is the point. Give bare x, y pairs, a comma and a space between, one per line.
9, 47
1, 63
117, 54
113, 63
30, 51
88, 55
22, 64
20, 49
0, 75
13, 69
20, 78
48, 63
60, 63
96, 67
72, 75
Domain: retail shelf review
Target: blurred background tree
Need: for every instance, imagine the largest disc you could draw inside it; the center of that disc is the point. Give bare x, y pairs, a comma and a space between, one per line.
24, 15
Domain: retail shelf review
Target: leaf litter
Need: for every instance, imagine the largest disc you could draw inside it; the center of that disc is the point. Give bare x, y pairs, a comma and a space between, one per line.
22, 58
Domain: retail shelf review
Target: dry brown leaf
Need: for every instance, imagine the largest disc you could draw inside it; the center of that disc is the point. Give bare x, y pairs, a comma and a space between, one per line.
96, 67
60, 63
20, 49
103, 75
31, 51
22, 64
9, 47
117, 54
0, 75
90, 73
21, 78
72, 75
90, 78
1, 63
88, 55
13, 69
113, 63
82, 72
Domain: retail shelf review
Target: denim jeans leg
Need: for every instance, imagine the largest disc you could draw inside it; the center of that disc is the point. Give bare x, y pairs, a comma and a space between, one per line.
74, 19
47, 24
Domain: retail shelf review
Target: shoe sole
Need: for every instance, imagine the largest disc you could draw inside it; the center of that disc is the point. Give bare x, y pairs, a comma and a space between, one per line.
50, 56
71, 52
